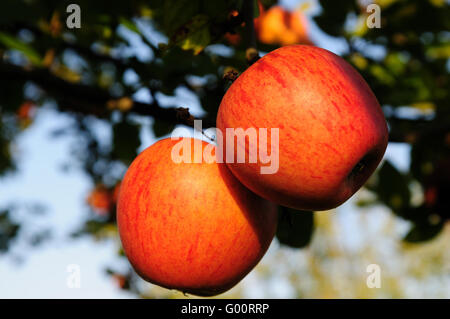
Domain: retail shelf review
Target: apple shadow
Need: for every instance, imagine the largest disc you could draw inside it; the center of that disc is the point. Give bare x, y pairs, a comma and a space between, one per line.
261, 214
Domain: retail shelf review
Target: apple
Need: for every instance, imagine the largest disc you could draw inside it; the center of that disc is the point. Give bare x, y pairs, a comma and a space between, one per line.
299, 25
100, 200
332, 132
279, 26
191, 226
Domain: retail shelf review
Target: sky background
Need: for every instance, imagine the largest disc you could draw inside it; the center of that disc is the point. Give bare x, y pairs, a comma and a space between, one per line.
41, 272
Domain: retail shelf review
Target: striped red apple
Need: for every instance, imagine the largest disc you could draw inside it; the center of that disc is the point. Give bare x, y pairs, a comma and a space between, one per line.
332, 132
191, 226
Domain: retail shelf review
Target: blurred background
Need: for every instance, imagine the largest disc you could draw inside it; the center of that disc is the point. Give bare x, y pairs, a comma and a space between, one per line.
78, 104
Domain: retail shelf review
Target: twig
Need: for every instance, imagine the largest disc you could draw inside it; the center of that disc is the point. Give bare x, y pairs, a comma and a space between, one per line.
251, 53
89, 100
248, 10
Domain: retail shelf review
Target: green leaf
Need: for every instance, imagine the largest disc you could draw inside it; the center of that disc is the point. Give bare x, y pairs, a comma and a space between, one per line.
15, 44
194, 35
129, 25
295, 227
423, 232
161, 128
8, 230
126, 141
91, 227
334, 14
255, 9
7, 163
392, 188
179, 12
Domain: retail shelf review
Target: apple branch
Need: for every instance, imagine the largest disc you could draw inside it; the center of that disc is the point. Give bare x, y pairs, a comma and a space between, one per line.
89, 100
411, 130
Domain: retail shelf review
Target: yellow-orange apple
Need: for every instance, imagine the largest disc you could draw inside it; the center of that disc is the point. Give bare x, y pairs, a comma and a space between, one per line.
191, 226
279, 26
332, 132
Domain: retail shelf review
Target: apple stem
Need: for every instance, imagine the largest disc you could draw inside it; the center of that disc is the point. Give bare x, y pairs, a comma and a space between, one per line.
185, 117
230, 74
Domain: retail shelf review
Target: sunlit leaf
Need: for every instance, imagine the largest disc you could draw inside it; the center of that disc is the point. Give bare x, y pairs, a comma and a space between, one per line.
129, 25
15, 44
193, 35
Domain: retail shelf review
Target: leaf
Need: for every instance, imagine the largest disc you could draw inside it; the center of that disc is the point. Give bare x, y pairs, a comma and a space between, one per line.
423, 232
179, 12
14, 44
7, 163
129, 25
126, 141
382, 75
40, 237
197, 41
255, 9
392, 188
93, 226
194, 35
66, 73
123, 104
333, 15
8, 230
295, 227
161, 128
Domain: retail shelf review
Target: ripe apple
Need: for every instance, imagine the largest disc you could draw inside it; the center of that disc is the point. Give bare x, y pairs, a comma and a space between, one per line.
279, 26
332, 132
100, 200
299, 25
191, 226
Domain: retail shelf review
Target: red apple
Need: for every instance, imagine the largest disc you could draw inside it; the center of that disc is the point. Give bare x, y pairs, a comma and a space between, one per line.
332, 132
100, 200
191, 226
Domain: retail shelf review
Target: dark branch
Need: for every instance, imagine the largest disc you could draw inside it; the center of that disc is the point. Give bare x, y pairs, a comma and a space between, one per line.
251, 53
89, 100
405, 130
248, 10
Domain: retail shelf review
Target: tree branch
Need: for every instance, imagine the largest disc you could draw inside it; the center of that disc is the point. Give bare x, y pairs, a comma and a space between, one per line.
404, 130
248, 10
89, 100
251, 53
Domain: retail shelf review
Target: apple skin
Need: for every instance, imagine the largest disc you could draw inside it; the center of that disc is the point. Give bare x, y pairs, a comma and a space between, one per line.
332, 131
191, 226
